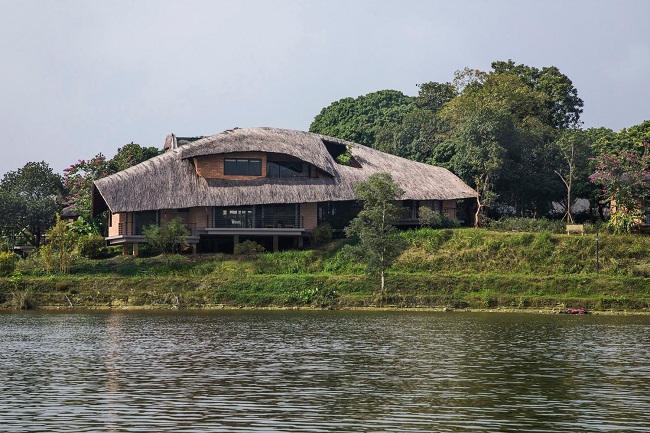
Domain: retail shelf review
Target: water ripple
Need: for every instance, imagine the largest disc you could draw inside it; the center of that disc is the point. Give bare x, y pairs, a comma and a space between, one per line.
322, 372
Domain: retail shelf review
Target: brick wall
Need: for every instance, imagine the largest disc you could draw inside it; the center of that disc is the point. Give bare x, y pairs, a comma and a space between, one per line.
309, 214
195, 218
201, 217
114, 227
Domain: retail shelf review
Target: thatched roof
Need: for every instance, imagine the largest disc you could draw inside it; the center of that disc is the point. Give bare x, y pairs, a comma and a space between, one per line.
170, 181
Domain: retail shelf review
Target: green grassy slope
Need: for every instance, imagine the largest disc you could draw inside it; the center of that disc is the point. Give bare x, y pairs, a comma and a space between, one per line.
461, 268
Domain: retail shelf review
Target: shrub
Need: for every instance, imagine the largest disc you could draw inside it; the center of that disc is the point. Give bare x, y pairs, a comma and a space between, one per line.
5, 245
7, 261
167, 238
449, 223
322, 234
46, 254
91, 246
428, 217
248, 249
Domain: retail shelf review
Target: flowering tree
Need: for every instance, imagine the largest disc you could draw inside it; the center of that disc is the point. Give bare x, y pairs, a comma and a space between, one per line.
624, 178
79, 177
78, 180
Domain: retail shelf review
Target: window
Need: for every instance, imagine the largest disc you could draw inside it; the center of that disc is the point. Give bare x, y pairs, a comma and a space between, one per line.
242, 167
281, 215
287, 169
143, 219
233, 217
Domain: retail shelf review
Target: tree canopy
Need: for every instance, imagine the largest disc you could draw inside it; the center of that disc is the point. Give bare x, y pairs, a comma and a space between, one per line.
504, 132
563, 104
358, 119
29, 200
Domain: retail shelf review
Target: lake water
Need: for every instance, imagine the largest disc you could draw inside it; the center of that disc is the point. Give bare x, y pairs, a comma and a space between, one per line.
322, 371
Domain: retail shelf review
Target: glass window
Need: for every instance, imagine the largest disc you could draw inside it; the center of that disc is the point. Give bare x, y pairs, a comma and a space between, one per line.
281, 215
143, 219
287, 169
242, 167
235, 217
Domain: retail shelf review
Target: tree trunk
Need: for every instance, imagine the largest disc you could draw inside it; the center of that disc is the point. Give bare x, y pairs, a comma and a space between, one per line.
479, 206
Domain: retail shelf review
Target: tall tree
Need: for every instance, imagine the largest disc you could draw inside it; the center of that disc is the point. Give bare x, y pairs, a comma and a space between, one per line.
130, 155
358, 119
498, 116
563, 104
421, 130
379, 241
29, 200
433, 95
480, 153
416, 138
574, 150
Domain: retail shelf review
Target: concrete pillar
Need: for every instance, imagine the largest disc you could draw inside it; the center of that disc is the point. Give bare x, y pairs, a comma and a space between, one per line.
193, 248
135, 249
235, 241
124, 250
275, 243
301, 242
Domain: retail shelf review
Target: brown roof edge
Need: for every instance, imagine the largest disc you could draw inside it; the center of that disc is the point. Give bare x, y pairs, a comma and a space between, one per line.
97, 202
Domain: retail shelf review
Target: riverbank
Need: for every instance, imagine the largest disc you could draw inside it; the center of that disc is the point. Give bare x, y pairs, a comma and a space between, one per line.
552, 294
457, 270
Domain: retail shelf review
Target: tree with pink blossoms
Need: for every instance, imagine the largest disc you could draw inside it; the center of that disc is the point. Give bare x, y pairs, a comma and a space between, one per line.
78, 180
79, 177
624, 177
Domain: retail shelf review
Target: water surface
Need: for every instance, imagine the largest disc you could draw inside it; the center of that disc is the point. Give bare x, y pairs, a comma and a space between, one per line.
280, 371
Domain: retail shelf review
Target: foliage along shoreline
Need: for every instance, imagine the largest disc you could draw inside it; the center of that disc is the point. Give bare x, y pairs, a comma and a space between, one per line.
459, 269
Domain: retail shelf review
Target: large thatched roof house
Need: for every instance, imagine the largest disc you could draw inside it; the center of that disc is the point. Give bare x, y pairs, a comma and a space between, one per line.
271, 185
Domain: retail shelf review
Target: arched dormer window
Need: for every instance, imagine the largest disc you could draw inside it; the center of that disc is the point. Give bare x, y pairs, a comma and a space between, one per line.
287, 169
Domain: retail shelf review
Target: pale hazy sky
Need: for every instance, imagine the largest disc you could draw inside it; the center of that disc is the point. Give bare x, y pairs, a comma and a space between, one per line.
81, 77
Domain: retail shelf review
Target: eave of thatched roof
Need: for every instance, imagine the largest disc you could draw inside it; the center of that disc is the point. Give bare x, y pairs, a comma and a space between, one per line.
170, 181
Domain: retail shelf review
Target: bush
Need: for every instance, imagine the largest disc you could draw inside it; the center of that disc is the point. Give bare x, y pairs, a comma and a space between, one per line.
7, 261
91, 246
5, 245
248, 249
167, 238
322, 234
429, 217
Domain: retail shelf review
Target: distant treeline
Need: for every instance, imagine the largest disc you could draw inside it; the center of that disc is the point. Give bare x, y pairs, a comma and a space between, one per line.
513, 133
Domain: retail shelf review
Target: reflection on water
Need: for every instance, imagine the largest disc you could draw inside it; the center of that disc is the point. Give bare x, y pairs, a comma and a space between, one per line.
227, 371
